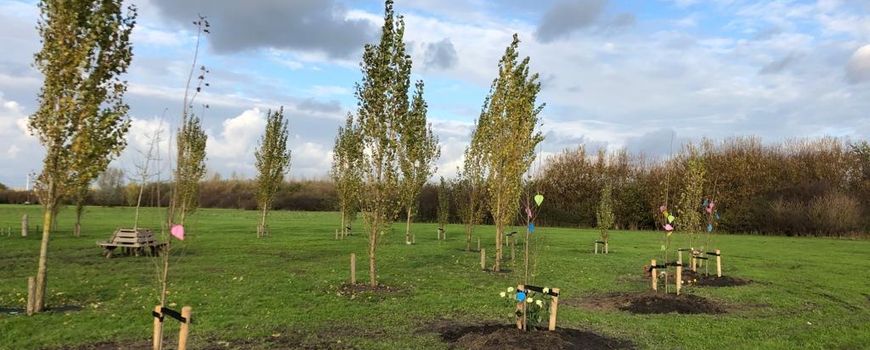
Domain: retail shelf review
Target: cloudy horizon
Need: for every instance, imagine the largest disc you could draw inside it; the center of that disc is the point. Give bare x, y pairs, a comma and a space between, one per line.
615, 73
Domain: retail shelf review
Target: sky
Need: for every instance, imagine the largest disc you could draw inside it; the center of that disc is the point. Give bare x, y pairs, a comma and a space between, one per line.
614, 73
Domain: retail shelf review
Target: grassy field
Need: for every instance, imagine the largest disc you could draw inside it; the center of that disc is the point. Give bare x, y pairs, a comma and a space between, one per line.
807, 292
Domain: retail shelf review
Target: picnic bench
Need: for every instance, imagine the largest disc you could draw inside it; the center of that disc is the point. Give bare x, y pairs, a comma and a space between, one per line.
132, 241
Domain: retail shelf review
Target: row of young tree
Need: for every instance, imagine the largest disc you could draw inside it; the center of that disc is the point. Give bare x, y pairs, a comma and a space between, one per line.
385, 152
573, 180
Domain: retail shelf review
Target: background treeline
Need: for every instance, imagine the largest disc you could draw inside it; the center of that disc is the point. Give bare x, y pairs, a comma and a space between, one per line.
800, 187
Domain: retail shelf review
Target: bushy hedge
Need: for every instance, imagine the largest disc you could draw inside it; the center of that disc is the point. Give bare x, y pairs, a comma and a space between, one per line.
801, 187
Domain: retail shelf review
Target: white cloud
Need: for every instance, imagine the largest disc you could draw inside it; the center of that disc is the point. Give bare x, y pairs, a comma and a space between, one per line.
858, 68
238, 137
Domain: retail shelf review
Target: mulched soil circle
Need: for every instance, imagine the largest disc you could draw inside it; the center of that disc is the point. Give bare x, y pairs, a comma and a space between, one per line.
649, 303
699, 279
362, 291
504, 336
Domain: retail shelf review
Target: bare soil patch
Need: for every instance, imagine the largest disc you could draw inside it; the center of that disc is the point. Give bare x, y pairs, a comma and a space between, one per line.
649, 303
504, 336
700, 279
365, 292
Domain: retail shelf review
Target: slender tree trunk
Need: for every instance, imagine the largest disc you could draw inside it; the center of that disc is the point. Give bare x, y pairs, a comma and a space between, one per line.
261, 231
408, 227
43, 256
343, 223
164, 279
468, 237
77, 231
499, 228
139, 204
373, 242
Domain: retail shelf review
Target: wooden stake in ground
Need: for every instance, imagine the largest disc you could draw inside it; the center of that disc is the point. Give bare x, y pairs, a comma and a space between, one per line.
718, 263
157, 338
184, 329
25, 225
554, 307
31, 291
654, 274
352, 268
679, 277
521, 305
483, 259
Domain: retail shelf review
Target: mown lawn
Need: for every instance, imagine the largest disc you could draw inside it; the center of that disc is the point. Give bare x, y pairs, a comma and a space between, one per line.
807, 292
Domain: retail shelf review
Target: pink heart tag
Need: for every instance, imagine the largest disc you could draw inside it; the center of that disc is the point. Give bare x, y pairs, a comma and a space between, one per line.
177, 231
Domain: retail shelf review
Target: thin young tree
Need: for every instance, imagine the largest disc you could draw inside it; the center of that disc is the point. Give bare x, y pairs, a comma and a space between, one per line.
419, 150
144, 170
273, 163
507, 135
81, 119
689, 204
470, 193
190, 140
345, 172
443, 208
79, 192
382, 97
604, 215
190, 159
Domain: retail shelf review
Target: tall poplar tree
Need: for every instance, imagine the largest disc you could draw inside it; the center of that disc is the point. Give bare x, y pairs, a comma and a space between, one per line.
506, 136
273, 162
82, 118
419, 150
604, 215
345, 172
382, 97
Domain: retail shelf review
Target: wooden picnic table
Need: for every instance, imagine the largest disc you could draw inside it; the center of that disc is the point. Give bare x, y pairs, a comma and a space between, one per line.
132, 241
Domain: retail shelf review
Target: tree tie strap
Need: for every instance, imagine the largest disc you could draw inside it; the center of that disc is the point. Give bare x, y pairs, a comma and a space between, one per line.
164, 311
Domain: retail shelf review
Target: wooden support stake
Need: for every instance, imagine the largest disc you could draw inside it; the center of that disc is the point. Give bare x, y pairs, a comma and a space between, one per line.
478, 243
679, 278
680, 256
483, 259
520, 309
157, 338
413, 239
31, 295
654, 274
596, 247
605, 247
694, 262
185, 328
352, 268
554, 307
718, 263
24, 225
336, 234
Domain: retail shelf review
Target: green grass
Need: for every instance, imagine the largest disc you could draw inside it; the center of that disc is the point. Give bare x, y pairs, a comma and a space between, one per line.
808, 292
